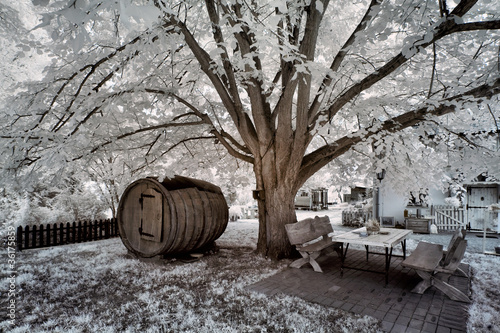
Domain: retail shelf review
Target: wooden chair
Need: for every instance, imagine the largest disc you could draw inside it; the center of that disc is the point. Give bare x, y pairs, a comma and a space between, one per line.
435, 266
310, 237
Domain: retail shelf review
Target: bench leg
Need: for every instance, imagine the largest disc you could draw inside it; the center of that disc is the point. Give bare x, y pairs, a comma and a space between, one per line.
307, 258
299, 262
314, 263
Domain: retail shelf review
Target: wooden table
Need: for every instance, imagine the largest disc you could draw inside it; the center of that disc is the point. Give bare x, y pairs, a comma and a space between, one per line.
387, 238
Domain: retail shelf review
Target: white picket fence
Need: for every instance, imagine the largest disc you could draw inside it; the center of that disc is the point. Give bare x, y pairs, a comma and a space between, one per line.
449, 218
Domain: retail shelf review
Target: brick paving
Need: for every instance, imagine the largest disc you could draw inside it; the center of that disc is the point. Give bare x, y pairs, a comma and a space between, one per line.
395, 306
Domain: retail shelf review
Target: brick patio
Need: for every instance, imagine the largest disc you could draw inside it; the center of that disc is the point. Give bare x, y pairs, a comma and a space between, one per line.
397, 309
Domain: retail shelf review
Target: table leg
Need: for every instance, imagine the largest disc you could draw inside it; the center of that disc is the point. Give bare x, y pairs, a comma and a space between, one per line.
367, 250
403, 245
342, 257
388, 257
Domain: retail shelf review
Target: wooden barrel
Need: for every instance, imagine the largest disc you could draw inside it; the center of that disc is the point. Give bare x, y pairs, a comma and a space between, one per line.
177, 215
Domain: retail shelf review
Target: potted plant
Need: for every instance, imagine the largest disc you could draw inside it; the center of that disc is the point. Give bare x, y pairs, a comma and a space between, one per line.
372, 227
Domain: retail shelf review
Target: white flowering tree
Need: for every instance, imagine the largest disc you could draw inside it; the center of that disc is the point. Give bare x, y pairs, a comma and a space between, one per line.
287, 87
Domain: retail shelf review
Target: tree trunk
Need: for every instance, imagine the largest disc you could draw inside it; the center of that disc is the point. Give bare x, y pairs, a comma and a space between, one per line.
276, 209
276, 203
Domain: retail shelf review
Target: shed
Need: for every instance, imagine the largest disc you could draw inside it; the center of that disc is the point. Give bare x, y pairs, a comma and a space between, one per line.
358, 193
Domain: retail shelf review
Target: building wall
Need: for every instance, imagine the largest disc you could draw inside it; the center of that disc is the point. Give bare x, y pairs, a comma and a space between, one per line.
394, 204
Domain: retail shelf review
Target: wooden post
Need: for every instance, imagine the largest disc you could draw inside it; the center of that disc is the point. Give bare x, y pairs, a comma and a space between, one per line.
41, 243
61, 233
26, 237
19, 237
100, 228
33, 237
90, 238
54, 235
113, 227
73, 232
94, 225
48, 235
106, 229
68, 233
84, 231
79, 232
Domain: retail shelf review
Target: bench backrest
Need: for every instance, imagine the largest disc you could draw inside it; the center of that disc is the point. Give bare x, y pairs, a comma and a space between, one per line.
308, 229
456, 241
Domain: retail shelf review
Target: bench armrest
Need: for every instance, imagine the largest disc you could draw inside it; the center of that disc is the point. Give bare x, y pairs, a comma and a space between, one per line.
318, 246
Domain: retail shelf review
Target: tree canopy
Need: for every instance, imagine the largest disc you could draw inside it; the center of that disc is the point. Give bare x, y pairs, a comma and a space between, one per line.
287, 87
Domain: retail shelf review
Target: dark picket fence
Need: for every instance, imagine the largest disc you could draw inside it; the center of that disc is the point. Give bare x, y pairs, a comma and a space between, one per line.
59, 234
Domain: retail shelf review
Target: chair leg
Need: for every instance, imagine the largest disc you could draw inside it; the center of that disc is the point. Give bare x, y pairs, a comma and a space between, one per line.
461, 272
450, 291
438, 281
423, 285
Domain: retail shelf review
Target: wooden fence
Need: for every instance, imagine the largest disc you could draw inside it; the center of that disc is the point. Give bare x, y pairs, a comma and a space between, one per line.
355, 218
53, 235
449, 217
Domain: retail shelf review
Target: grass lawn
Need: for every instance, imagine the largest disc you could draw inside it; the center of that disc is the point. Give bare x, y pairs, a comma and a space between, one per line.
99, 287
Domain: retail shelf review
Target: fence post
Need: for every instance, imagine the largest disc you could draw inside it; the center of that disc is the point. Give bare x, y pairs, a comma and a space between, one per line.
73, 232
33, 237
111, 227
41, 243
90, 238
48, 235
54, 235
26, 237
84, 231
19, 238
94, 226
106, 229
68, 233
61, 233
100, 229
79, 232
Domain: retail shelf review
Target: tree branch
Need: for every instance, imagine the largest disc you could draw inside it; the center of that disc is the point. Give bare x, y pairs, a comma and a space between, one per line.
322, 156
447, 27
261, 110
206, 119
339, 58
234, 107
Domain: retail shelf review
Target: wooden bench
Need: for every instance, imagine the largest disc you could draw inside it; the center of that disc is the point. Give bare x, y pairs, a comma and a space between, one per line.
435, 266
310, 237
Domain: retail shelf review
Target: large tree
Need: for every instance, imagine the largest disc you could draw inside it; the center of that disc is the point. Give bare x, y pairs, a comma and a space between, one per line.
285, 86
